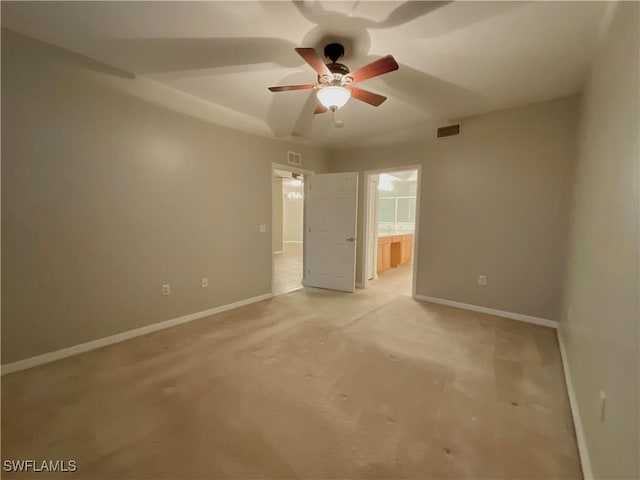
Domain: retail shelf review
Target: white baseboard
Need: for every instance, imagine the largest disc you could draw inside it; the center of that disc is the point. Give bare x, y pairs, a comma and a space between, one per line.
585, 461
292, 241
500, 313
278, 252
294, 289
120, 337
359, 285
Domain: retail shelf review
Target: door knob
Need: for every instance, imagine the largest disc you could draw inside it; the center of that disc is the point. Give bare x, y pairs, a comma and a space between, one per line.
351, 239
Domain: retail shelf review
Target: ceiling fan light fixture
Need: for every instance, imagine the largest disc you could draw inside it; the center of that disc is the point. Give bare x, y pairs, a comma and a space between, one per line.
333, 96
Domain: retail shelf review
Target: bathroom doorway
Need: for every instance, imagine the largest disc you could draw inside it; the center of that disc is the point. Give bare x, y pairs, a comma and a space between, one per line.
391, 229
287, 229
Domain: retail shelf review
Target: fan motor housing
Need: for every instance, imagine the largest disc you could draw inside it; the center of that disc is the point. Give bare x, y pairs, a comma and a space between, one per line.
338, 68
334, 51
339, 72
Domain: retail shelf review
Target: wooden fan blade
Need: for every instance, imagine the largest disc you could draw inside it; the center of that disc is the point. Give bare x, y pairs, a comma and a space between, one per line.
320, 108
367, 96
381, 66
286, 88
310, 56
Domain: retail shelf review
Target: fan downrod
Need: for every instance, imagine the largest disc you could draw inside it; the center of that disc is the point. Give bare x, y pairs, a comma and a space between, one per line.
334, 51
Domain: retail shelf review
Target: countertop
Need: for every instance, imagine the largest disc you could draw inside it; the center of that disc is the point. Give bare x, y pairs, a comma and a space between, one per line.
393, 233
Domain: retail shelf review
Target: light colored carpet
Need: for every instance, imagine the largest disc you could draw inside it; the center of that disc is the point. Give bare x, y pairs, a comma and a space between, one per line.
312, 384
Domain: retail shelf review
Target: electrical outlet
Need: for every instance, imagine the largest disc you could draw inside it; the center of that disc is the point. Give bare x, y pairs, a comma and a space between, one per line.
482, 280
166, 289
205, 282
263, 228
603, 405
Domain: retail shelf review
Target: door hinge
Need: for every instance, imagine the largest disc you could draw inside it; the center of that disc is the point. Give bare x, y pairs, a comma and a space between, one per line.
309, 229
308, 272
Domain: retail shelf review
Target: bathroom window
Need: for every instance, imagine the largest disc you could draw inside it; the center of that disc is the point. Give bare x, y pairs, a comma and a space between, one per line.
387, 210
396, 212
406, 209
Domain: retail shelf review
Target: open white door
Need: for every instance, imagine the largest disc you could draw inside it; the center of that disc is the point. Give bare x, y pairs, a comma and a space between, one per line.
330, 241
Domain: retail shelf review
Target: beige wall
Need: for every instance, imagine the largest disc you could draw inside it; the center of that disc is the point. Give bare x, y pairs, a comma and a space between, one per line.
494, 201
106, 197
601, 320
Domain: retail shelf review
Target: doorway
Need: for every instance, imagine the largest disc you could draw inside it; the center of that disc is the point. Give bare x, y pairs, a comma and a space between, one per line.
391, 228
288, 218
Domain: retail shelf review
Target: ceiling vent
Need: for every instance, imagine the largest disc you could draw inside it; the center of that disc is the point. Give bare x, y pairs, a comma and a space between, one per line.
448, 130
294, 158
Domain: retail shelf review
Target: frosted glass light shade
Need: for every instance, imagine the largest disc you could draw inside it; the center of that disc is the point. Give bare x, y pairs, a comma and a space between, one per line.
333, 96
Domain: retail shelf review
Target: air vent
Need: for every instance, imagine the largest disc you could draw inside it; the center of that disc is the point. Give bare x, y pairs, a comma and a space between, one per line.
448, 130
294, 158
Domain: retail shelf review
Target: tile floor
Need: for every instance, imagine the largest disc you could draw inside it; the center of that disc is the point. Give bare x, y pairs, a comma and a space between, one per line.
395, 280
288, 269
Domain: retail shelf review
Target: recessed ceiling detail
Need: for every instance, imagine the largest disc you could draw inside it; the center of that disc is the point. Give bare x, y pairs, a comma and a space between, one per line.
455, 59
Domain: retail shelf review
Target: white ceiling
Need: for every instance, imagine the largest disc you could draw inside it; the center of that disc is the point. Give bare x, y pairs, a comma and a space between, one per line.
216, 59
403, 176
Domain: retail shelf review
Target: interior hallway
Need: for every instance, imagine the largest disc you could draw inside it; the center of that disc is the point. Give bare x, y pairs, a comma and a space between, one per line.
312, 384
287, 266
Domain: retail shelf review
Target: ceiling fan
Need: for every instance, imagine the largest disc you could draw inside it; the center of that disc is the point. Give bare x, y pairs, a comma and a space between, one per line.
336, 82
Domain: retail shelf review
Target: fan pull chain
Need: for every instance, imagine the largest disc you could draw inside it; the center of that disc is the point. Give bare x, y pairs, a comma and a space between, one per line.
336, 123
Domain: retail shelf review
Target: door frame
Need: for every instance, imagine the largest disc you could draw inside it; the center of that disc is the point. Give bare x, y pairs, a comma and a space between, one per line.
369, 208
306, 173
369, 203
